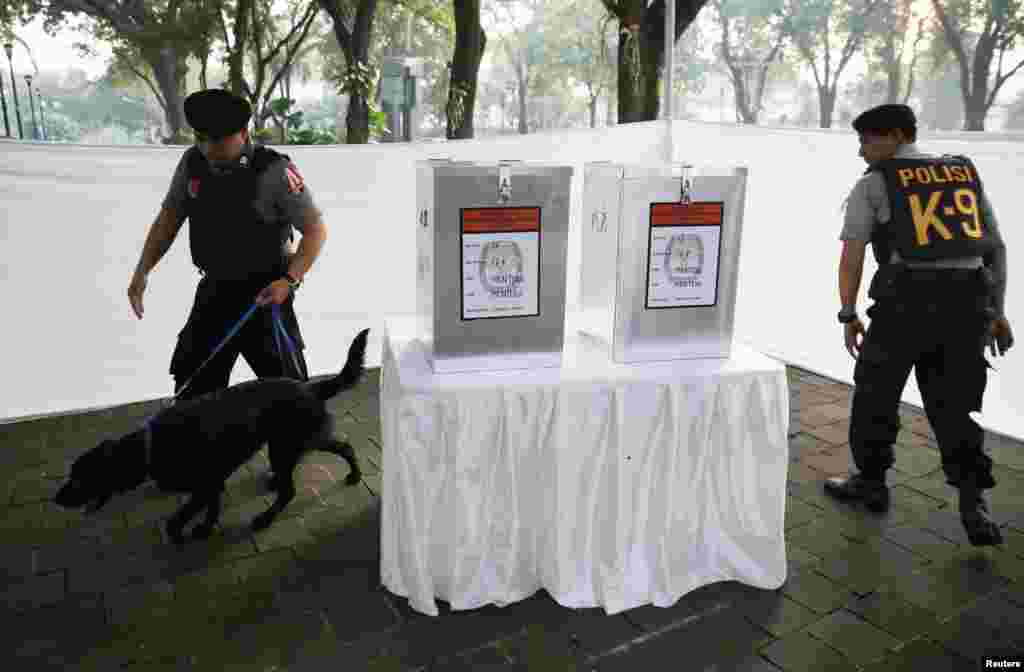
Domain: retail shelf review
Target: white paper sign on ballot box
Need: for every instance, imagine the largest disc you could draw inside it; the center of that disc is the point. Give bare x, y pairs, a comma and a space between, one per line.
500, 262
660, 255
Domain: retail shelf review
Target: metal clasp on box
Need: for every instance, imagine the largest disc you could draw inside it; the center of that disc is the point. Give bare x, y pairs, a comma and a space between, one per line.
423, 218
505, 180
685, 183
599, 221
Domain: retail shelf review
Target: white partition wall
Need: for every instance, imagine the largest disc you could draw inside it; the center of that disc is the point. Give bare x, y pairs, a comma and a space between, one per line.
74, 219
788, 280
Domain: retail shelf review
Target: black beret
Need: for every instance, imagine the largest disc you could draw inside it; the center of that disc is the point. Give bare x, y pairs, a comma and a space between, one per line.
217, 113
885, 118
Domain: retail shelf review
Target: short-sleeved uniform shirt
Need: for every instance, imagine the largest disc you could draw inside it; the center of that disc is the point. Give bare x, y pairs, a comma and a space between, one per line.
868, 207
275, 198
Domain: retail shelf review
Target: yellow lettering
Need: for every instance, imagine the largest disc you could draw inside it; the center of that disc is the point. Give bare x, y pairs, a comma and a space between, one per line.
923, 176
923, 219
935, 174
906, 176
949, 175
967, 203
970, 175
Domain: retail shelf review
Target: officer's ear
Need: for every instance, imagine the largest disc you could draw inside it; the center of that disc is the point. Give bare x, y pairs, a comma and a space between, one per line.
901, 135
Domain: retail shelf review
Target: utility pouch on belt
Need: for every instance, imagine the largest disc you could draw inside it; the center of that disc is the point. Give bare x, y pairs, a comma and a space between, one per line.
887, 282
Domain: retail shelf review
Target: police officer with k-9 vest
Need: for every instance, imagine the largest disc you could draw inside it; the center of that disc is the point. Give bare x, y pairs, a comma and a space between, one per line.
938, 303
242, 203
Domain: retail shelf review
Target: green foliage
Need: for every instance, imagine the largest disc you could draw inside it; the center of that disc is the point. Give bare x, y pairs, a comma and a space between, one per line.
101, 107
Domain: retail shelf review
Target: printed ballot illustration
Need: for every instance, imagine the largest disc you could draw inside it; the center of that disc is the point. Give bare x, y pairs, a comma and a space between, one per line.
660, 250
492, 240
500, 262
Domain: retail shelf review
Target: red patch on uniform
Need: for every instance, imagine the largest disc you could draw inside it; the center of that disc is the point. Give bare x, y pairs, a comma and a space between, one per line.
193, 187
295, 182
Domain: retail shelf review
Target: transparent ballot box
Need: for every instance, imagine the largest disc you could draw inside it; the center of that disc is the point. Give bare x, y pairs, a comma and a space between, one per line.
660, 253
492, 240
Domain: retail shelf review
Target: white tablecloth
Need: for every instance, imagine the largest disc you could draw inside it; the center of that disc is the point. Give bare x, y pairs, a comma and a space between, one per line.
607, 485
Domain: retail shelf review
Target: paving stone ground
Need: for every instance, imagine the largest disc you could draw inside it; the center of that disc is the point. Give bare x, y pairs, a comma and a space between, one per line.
901, 591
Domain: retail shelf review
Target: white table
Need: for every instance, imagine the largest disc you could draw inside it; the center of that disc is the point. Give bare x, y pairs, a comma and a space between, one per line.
605, 484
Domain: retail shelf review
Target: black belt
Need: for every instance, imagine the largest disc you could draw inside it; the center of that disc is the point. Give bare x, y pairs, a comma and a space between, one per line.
944, 274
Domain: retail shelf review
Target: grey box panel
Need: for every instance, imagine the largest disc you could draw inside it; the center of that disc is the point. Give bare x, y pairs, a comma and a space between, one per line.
455, 344
633, 332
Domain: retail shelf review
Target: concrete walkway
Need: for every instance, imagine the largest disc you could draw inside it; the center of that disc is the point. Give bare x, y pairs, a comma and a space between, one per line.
902, 591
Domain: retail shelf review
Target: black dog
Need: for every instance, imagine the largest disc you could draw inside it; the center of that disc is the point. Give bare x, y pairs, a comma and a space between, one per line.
195, 445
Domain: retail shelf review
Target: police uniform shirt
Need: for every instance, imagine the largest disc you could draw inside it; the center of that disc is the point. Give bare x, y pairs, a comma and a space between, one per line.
275, 198
868, 206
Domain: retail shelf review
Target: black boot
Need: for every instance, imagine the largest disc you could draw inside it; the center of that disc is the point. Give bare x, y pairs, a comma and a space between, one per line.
981, 531
871, 491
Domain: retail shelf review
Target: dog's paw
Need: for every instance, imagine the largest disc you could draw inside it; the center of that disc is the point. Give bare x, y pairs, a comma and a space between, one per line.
353, 478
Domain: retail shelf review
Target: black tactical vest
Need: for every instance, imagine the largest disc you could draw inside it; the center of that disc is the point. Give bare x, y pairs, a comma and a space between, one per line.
935, 207
230, 237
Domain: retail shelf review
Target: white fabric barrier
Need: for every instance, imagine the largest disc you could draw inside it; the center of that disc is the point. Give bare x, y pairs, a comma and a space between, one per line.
608, 485
788, 278
75, 217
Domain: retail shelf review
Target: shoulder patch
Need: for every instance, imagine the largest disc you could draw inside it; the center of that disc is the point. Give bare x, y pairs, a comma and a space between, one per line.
295, 182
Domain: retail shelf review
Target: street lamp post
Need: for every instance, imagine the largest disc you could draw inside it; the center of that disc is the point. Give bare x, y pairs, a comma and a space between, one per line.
31, 104
3, 99
9, 48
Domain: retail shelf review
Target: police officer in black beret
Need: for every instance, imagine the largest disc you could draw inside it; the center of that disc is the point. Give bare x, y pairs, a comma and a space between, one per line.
938, 302
242, 203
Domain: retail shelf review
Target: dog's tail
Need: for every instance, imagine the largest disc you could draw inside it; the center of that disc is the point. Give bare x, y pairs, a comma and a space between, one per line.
350, 373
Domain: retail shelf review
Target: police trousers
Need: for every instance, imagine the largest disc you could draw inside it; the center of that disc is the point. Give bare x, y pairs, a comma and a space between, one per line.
934, 322
218, 306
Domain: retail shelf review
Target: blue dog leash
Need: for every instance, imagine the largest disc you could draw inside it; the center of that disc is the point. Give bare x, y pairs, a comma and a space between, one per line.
282, 340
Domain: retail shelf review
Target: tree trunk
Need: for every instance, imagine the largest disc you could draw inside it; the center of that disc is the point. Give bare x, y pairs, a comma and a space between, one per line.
826, 106
653, 59
470, 42
593, 111
892, 92
358, 120
523, 130
745, 111
169, 68
974, 114
236, 56
630, 101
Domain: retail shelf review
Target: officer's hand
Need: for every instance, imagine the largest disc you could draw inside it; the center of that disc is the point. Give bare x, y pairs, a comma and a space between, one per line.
854, 332
1001, 336
136, 288
276, 292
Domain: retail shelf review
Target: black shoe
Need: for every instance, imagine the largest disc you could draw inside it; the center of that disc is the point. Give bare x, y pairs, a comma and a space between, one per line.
874, 494
981, 531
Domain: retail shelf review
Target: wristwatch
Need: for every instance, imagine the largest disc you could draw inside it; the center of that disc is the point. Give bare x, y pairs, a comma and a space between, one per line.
292, 282
847, 316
